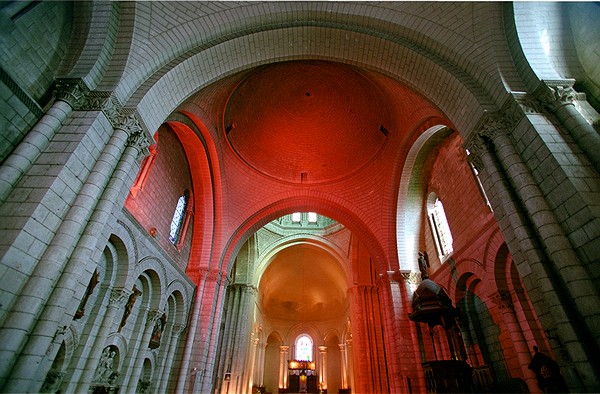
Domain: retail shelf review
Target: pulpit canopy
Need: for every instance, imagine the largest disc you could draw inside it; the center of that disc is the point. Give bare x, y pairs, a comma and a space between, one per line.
432, 305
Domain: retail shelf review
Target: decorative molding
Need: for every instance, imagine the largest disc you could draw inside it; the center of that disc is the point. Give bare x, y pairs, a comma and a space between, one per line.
127, 119
14, 87
493, 124
528, 103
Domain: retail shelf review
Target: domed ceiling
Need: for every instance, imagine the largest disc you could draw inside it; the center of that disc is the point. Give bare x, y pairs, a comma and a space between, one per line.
307, 121
303, 283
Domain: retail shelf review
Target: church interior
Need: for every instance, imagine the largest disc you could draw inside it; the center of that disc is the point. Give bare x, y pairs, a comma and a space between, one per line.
244, 197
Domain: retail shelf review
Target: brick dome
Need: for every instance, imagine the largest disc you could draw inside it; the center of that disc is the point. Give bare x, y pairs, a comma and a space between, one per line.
307, 121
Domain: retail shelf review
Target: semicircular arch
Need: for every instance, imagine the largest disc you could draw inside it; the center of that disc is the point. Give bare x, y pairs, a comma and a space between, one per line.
299, 201
292, 240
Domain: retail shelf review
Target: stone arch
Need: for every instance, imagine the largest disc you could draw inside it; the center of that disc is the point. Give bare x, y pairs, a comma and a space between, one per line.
477, 323
411, 194
153, 287
61, 362
544, 34
288, 241
176, 290
125, 245
99, 23
155, 269
468, 270
147, 374
303, 201
502, 269
156, 101
204, 169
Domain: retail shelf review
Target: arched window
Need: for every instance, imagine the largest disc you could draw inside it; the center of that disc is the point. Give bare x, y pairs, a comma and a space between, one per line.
439, 226
304, 348
178, 223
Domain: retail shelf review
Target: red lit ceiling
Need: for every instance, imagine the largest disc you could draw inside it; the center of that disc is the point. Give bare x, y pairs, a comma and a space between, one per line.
309, 121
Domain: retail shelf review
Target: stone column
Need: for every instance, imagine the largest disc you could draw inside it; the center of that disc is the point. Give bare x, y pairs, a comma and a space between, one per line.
350, 365
117, 300
69, 92
218, 281
260, 370
542, 254
176, 331
126, 143
559, 98
323, 367
250, 368
343, 365
549, 232
283, 366
503, 301
42, 297
139, 353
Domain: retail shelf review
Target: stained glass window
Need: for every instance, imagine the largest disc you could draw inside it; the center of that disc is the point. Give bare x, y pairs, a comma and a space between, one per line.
304, 348
178, 216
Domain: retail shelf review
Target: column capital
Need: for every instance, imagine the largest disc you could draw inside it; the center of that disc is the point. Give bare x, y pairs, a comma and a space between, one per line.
475, 148
118, 297
553, 94
154, 315
493, 124
503, 300
177, 329
411, 277
322, 349
284, 348
126, 119
71, 90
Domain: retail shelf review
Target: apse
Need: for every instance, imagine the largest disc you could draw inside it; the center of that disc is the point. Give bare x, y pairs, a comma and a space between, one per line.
303, 283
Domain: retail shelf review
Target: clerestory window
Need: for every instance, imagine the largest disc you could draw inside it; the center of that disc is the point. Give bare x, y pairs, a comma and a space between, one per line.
178, 222
439, 225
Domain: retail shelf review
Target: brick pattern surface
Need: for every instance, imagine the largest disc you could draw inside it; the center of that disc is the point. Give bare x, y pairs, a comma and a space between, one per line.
526, 267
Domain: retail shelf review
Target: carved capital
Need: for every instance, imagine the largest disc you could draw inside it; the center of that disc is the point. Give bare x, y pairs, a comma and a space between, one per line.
411, 277
553, 94
492, 125
153, 316
118, 297
475, 148
70, 90
177, 329
503, 300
